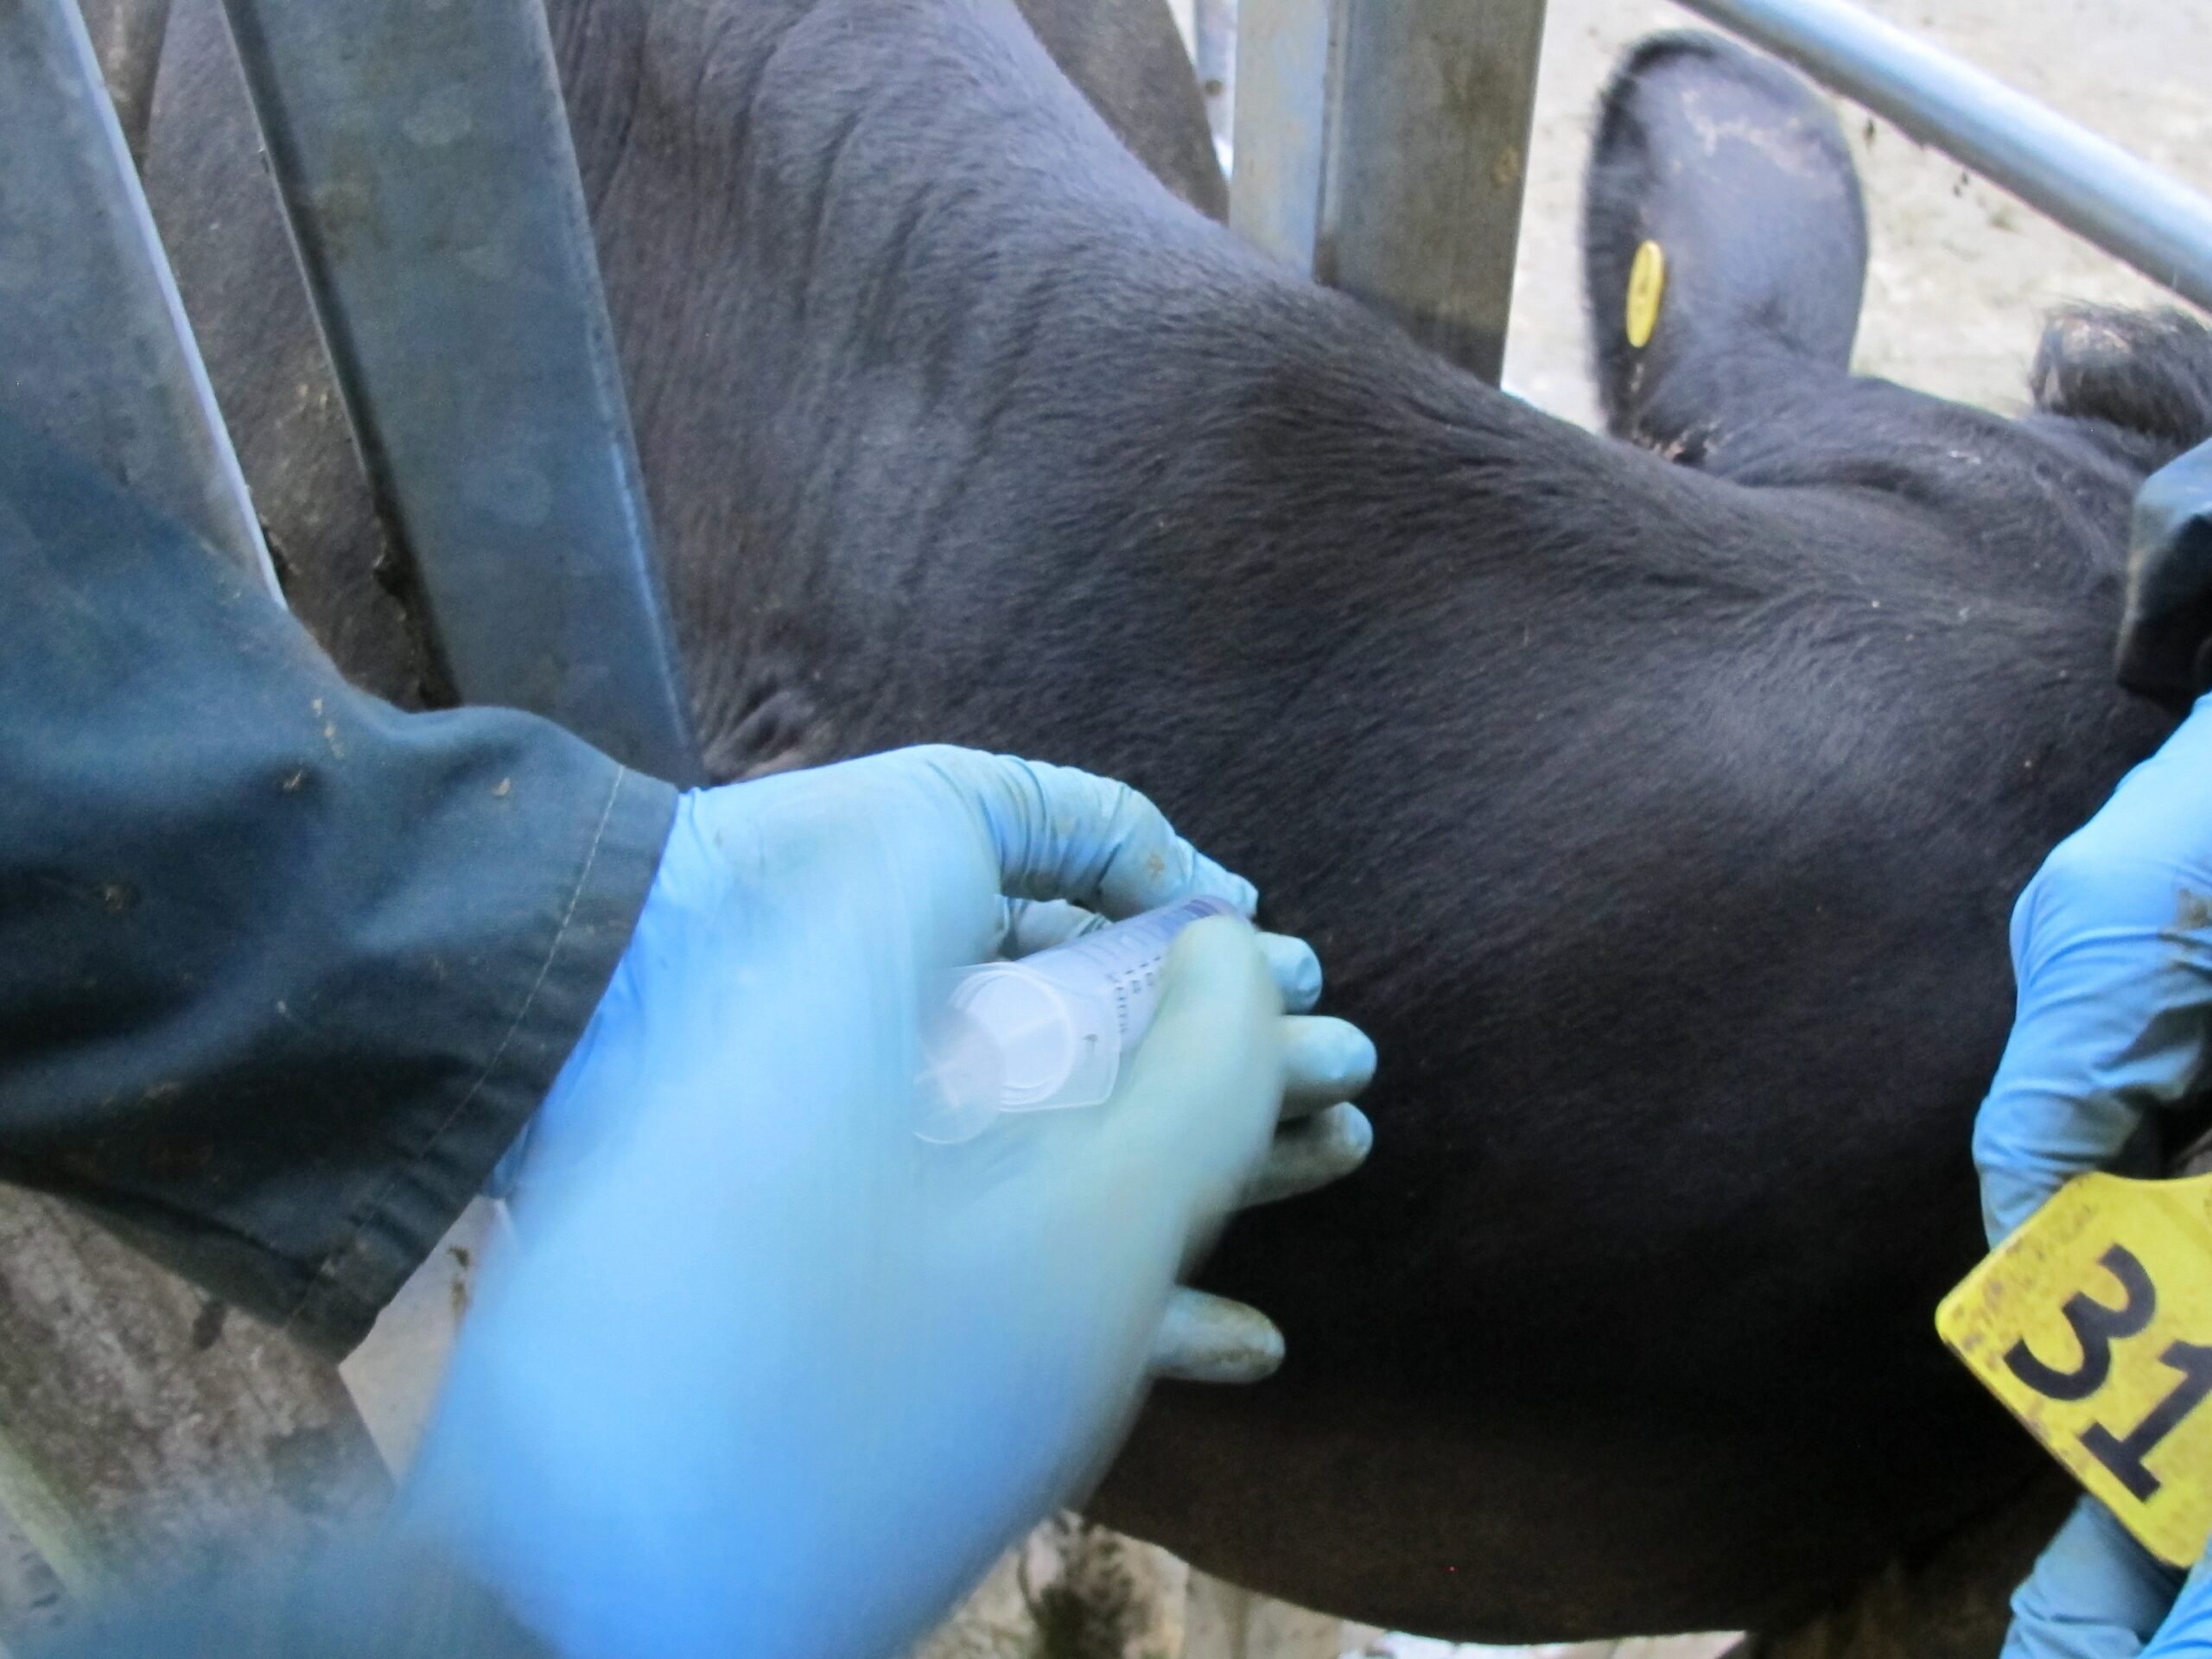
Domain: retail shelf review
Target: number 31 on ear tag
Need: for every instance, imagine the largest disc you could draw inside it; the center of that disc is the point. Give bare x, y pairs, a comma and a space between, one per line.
2093, 1323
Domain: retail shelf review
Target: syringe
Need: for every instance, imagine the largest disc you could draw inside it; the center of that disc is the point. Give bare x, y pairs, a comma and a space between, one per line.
1048, 1032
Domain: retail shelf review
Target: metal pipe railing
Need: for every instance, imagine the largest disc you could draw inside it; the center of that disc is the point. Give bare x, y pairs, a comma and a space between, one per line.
426, 167
1214, 51
2092, 186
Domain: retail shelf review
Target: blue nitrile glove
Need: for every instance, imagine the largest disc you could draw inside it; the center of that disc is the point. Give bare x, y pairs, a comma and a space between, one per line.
2187, 1633
2112, 948
766, 1374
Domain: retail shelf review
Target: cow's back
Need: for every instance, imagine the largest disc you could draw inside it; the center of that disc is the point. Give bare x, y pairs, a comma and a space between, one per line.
1661, 831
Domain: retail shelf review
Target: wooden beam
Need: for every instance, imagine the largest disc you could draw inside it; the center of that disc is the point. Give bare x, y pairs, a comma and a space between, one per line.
145, 1429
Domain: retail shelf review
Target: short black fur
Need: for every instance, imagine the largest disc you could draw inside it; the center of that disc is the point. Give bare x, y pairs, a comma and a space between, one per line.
1659, 820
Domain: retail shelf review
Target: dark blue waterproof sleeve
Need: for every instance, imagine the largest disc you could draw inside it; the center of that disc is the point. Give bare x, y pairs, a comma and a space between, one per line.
282, 969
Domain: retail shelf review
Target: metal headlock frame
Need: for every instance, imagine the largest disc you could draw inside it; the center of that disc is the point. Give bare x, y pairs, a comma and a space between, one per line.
424, 160
425, 164
94, 347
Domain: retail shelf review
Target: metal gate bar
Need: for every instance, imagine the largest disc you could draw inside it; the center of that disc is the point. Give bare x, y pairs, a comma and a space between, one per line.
1384, 147
94, 347
1381, 147
1213, 52
426, 166
2092, 186
127, 38
1285, 83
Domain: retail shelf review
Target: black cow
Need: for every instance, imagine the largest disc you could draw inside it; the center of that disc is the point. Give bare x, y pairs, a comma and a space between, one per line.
1659, 820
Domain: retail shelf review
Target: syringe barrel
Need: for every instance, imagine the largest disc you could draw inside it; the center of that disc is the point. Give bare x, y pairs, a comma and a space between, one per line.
1048, 1032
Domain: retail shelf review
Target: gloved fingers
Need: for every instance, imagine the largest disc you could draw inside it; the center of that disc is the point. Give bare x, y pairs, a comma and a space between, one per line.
2094, 1593
2163, 806
1323, 1060
2188, 1626
1311, 1153
1295, 970
1198, 1096
2113, 960
2187, 1632
1058, 833
2112, 951
1204, 1338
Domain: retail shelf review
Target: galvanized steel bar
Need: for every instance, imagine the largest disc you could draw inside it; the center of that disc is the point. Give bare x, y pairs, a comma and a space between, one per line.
1214, 51
1385, 147
1185, 15
2092, 186
425, 160
94, 347
1285, 89
1431, 153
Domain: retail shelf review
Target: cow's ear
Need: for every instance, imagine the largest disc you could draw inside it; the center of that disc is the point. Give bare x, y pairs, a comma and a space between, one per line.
2145, 372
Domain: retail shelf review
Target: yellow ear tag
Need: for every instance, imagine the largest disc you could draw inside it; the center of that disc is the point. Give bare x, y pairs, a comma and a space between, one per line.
2093, 1323
1647, 284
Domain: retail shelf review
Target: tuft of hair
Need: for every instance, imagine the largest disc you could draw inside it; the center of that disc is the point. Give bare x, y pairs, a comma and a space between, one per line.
2148, 372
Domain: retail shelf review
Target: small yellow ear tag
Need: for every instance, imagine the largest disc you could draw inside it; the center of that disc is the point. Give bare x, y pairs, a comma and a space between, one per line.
2093, 1323
1647, 284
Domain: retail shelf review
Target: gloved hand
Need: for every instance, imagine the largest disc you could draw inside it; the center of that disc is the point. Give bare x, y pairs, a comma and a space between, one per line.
2112, 949
770, 1374
2187, 1633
